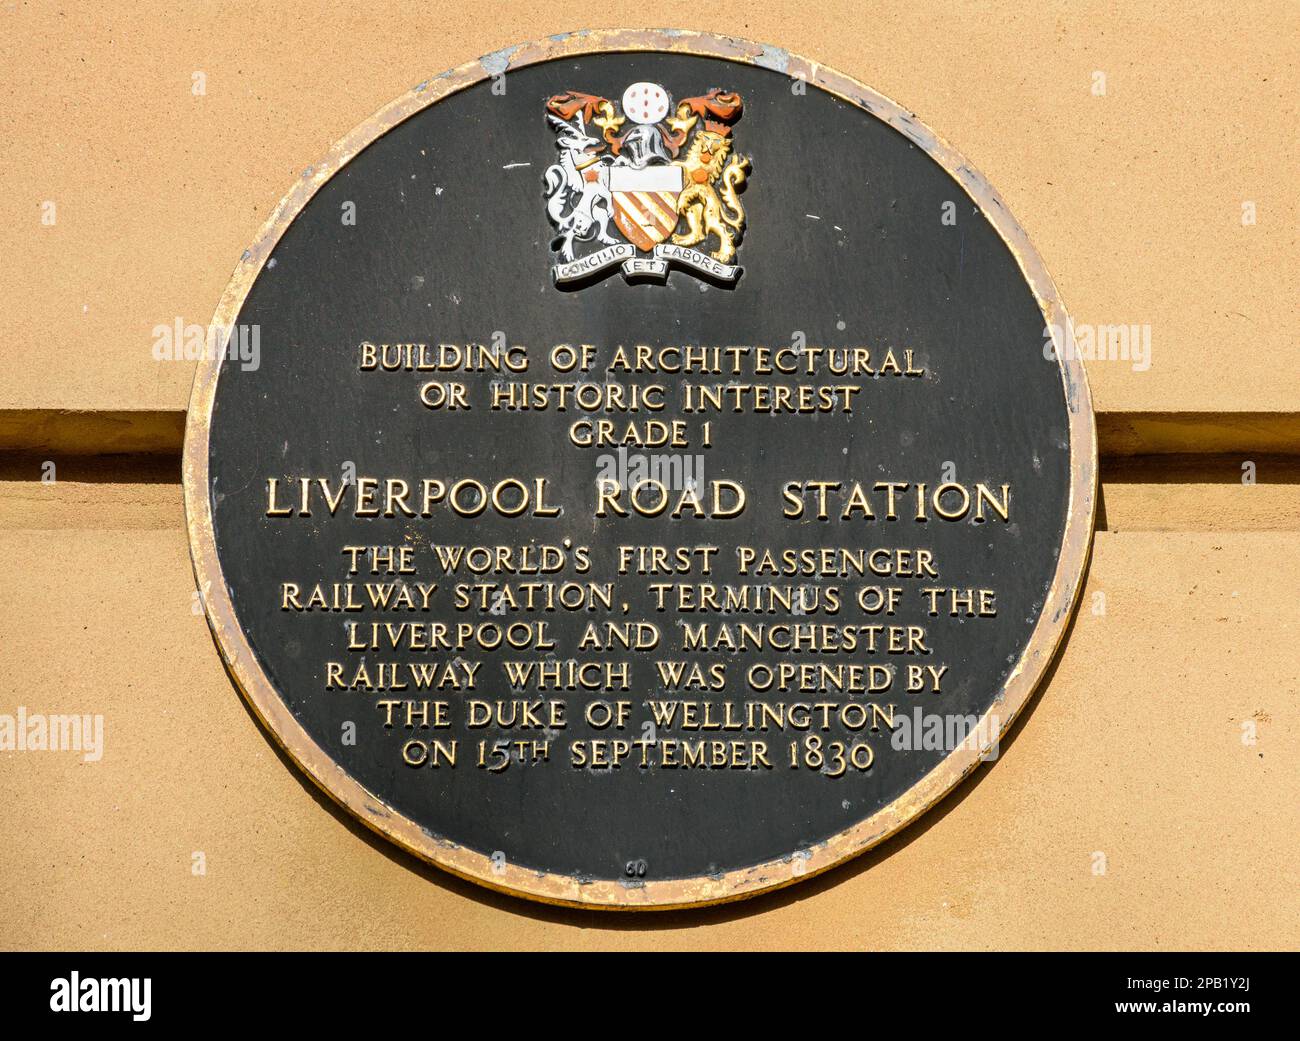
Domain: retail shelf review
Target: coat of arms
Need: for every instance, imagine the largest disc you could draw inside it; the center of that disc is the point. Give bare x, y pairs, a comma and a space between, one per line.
645, 187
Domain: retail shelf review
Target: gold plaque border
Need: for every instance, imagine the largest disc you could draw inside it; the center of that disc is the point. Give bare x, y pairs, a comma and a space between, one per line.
565, 890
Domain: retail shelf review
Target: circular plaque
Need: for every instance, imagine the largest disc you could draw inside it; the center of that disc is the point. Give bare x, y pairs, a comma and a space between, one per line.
636, 470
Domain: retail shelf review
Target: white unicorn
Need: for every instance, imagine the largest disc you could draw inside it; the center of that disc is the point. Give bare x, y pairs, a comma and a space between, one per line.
577, 187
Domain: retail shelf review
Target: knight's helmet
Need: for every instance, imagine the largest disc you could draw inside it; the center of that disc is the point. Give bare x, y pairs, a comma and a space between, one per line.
644, 145
645, 104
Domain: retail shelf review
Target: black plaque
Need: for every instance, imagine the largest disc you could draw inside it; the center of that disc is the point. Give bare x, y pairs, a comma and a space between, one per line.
637, 472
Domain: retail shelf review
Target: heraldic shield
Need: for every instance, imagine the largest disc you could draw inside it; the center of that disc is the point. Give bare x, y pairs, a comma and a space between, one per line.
645, 202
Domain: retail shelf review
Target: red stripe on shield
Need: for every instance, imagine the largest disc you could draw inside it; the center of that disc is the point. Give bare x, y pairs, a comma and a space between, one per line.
646, 218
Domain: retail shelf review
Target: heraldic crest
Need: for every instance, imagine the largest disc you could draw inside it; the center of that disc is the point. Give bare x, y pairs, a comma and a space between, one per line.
645, 187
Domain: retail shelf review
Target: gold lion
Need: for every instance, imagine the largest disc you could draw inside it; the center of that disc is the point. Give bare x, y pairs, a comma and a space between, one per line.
710, 202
